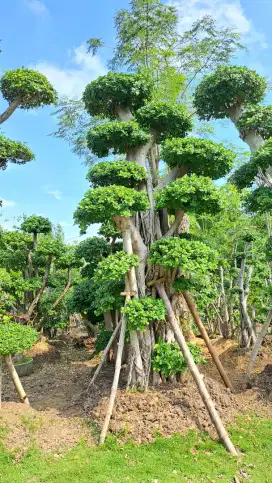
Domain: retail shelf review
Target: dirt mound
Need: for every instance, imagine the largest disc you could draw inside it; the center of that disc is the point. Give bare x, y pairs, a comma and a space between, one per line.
22, 427
264, 382
165, 410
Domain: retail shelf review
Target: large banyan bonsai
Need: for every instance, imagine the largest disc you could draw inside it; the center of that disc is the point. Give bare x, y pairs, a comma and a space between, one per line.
145, 208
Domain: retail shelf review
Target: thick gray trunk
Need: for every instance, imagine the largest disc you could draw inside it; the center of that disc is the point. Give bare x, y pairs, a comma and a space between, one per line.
9, 111
123, 113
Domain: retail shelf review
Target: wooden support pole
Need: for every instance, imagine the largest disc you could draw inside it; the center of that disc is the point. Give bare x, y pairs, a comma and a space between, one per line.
206, 338
105, 353
198, 378
258, 343
16, 380
115, 381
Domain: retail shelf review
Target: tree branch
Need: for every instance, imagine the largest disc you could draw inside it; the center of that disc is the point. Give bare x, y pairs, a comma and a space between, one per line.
67, 286
174, 226
175, 173
9, 111
40, 292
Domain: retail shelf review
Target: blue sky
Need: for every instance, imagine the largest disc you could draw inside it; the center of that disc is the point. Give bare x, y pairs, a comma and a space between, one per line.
50, 36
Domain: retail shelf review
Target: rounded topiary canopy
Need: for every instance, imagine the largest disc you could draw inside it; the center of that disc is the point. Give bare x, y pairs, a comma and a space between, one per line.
114, 90
115, 135
244, 176
29, 87
102, 204
165, 118
229, 86
115, 267
92, 249
189, 256
68, 259
108, 229
16, 338
36, 224
13, 152
49, 245
259, 200
15, 240
196, 194
141, 312
199, 156
124, 173
257, 119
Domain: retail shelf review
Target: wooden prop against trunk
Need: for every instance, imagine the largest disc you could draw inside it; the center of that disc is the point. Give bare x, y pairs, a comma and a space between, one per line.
105, 353
206, 338
198, 378
16, 380
258, 343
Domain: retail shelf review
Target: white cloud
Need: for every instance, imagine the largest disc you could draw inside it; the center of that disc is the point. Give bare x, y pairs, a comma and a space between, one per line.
72, 81
7, 203
227, 13
37, 7
50, 190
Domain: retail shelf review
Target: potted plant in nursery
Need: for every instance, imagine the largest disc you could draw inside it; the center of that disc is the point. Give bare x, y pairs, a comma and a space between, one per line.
15, 339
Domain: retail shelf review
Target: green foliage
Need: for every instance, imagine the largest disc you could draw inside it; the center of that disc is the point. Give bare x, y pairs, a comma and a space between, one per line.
259, 200
92, 249
36, 224
227, 87
107, 93
93, 45
124, 173
31, 88
109, 230
13, 152
165, 118
115, 267
106, 296
141, 312
189, 256
68, 259
15, 240
199, 156
49, 245
102, 338
102, 204
115, 135
16, 338
191, 194
268, 249
257, 119
168, 359
244, 176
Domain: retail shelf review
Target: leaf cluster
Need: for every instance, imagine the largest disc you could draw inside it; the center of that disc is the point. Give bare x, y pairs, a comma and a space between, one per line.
199, 156
191, 194
165, 118
115, 267
168, 360
36, 224
107, 93
16, 338
116, 136
245, 176
29, 87
259, 200
257, 119
141, 312
124, 173
189, 256
102, 204
13, 152
228, 87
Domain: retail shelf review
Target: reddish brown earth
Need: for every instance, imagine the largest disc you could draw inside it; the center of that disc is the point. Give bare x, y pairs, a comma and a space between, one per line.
62, 413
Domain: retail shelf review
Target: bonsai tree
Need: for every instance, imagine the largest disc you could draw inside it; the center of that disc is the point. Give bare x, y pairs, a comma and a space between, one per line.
15, 339
22, 89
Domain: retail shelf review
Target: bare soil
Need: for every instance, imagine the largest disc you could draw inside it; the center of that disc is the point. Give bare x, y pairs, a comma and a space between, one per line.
62, 412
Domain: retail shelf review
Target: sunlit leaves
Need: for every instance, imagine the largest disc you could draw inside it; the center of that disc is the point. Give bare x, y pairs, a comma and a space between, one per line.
13, 152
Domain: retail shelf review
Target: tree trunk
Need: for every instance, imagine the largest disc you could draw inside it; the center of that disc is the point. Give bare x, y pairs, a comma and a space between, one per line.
258, 343
16, 380
67, 286
9, 111
40, 292
198, 378
225, 326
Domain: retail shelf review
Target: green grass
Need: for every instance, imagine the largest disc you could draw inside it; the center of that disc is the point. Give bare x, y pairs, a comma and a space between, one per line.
193, 458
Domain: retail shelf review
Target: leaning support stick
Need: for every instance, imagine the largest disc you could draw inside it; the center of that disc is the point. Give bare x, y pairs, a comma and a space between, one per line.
16, 380
115, 381
258, 343
206, 398
206, 338
105, 353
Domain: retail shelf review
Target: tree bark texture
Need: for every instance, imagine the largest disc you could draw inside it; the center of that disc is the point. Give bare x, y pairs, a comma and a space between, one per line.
258, 343
9, 111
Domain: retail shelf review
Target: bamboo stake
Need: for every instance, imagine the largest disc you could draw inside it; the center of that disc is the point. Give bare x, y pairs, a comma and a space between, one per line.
105, 353
115, 381
258, 343
206, 338
16, 380
198, 378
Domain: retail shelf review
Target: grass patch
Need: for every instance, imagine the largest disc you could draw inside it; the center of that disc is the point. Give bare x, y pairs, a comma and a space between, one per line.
194, 458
